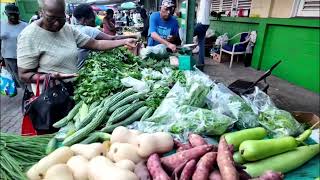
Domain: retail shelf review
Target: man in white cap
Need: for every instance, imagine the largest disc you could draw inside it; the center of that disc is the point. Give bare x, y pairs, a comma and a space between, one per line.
164, 28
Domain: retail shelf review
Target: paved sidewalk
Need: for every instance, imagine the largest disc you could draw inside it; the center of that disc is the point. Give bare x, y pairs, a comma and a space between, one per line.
10, 114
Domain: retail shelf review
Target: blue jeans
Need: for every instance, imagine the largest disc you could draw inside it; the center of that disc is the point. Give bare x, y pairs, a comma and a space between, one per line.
200, 31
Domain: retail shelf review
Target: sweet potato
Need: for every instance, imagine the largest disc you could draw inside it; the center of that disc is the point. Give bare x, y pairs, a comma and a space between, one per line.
174, 160
196, 140
155, 169
204, 166
225, 161
176, 172
188, 170
180, 146
141, 171
215, 175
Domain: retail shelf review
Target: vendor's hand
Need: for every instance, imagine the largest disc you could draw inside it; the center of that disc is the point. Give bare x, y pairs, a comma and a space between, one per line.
57, 75
172, 47
170, 39
130, 42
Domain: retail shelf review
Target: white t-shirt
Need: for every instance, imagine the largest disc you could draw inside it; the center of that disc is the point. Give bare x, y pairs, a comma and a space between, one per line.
50, 52
203, 13
8, 35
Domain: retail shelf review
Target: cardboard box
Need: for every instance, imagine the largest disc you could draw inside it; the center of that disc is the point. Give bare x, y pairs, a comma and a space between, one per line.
216, 57
306, 117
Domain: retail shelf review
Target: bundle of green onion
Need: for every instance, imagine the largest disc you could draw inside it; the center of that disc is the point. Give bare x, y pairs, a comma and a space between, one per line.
18, 153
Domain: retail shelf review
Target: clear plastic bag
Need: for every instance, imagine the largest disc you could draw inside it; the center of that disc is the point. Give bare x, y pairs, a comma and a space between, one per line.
157, 52
258, 100
137, 85
277, 122
179, 115
280, 123
223, 100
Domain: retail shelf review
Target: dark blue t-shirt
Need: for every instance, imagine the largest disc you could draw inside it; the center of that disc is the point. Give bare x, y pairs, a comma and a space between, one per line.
162, 27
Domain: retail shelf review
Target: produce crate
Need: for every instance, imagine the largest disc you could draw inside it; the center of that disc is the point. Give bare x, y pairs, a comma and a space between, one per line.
224, 58
186, 62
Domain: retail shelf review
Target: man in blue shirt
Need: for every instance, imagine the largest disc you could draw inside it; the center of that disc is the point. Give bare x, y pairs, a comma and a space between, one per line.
164, 28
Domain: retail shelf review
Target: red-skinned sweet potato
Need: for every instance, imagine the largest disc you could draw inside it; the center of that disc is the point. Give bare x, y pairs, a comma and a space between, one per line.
196, 140
155, 168
174, 160
225, 161
215, 175
188, 170
141, 171
204, 166
181, 146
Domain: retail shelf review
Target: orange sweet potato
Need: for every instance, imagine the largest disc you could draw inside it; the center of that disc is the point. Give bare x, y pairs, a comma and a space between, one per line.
204, 166
174, 160
155, 168
225, 161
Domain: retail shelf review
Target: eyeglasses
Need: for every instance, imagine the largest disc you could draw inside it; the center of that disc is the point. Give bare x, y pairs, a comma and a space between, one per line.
52, 19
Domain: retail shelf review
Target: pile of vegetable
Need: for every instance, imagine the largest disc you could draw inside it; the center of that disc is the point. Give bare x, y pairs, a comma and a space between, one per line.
257, 154
121, 158
18, 153
103, 71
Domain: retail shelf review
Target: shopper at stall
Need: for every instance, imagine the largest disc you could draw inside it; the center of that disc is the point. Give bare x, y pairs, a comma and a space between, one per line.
145, 19
109, 24
10, 29
85, 23
35, 17
164, 27
49, 45
203, 22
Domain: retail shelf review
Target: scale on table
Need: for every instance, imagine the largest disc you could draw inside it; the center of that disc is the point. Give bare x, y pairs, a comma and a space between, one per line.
186, 61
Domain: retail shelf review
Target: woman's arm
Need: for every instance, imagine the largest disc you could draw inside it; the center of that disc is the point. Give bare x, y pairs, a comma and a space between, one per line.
104, 36
102, 45
30, 75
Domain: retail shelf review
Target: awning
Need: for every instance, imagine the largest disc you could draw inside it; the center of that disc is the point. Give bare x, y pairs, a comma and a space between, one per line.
128, 5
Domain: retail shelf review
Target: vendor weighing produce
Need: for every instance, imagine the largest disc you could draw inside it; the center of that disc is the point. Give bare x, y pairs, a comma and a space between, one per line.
49, 45
164, 28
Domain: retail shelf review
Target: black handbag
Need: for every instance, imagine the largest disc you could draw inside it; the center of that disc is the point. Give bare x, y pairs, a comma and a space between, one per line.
51, 105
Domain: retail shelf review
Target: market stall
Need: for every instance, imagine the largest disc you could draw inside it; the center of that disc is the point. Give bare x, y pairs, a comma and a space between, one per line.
146, 119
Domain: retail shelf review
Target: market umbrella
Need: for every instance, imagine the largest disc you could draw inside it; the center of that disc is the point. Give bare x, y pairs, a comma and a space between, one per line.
128, 5
96, 8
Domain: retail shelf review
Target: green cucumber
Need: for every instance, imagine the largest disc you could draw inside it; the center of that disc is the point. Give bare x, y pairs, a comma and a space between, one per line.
284, 162
87, 119
93, 105
83, 132
126, 112
64, 121
52, 145
236, 138
95, 137
147, 114
134, 117
125, 101
119, 110
120, 96
83, 111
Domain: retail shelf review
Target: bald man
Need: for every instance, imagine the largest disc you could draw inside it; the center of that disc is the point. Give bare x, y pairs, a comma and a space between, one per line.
49, 45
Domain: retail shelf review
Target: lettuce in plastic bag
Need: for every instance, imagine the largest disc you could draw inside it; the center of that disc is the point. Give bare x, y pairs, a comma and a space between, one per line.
223, 100
280, 123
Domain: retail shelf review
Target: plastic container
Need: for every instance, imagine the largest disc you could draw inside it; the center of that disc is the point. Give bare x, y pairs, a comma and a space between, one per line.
186, 62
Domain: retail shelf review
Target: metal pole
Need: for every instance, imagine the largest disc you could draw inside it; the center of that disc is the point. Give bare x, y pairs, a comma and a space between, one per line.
191, 8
